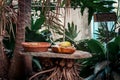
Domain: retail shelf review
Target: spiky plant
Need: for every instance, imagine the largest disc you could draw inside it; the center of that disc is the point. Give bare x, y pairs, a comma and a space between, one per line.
104, 34
71, 32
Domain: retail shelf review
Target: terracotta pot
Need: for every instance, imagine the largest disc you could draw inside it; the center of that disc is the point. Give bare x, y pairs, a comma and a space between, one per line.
66, 50
56, 49
36, 46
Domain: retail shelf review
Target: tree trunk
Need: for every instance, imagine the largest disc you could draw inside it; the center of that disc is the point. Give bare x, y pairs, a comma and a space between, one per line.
17, 68
3, 61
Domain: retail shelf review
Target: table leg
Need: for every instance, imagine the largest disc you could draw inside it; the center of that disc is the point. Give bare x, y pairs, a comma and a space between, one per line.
64, 69
28, 65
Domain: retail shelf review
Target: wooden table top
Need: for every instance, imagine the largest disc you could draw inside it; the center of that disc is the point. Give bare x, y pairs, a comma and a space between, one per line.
76, 55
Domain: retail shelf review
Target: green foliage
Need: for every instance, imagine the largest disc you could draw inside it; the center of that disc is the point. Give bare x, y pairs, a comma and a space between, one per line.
98, 52
96, 47
9, 41
38, 23
71, 32
8, 22
36, 63
113, 50
93, 6
105, 60
117, 40
104, 34
82, 45
33, 36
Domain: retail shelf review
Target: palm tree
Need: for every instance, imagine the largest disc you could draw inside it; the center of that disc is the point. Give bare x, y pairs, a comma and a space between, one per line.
5, 22
17, 68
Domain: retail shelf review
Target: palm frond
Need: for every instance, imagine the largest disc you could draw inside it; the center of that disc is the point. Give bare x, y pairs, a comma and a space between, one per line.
8, 17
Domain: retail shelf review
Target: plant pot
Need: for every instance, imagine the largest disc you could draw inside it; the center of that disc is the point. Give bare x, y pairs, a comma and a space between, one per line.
36, 46
63, 50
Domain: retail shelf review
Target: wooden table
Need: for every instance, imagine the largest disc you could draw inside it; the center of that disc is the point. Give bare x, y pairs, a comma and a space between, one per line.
65, 68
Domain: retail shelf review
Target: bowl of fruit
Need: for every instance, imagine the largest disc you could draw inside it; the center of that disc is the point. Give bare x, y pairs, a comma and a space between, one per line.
63, 47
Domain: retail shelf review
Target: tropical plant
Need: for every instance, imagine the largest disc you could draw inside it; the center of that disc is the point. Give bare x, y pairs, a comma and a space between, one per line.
7, 19
94, 6
17, 69
70, 32
73, 30
104, 33
37, 24
82, 45
34, 33
105, 63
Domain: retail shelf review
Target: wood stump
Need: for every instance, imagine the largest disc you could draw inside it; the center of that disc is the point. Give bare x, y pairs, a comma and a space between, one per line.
64, 69
63, 66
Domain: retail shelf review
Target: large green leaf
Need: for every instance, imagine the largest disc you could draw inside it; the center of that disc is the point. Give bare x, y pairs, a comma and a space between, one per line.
32, 36
96, 47
37, 63
38, 23
112, 48
71, 32
117, 40
91, 12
